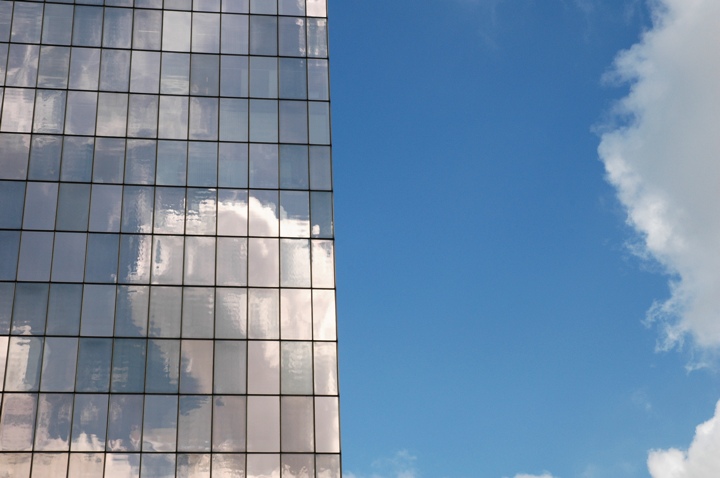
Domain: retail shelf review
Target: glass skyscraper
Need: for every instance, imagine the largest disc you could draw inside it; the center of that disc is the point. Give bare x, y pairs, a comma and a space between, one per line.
167, 290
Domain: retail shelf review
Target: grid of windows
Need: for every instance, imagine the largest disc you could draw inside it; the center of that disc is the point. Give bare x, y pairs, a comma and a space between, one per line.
167, 303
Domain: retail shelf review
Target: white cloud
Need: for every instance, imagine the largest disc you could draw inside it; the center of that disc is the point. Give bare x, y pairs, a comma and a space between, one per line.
701, 460
664, 161
400, 465
544, 475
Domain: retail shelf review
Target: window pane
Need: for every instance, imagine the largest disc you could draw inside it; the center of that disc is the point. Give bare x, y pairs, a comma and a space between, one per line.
194, 423
112, 114
169, 210
163, 360
17, 422
291, 7
142, 119
293, 122
105, 208
264, 166
178, 37
64, 309
49, 111
293, 82
263, 262
323, 266
17, 110
73, 207
171, 163
45, 158
89, 425
175, 77
69, 257
203, 118
131, 311
84, 68
140, 160
11, 197
318, 80
319, 122
124, 423
35, 256
196, 362
230, 313
317, 37
137, 209
206, 32
54, 66
98, 309
30, 309
296, 375
234, 34
77, 159
263, 213
93, 373
80, 115
57, 25
263, 427
145, 72
229, 366
294, 263
146, 31
202, 164
233, 119
87, 26
292, 36
204, 71
199, 264
165, 311
232, 164
321, 214
128, 369
263, 314
23, 364
198, 312
264, 121
296, 314
167, 267
324, 315
22, 65
228, 424
58, 370
117, 28
263, 368
109, 160
27, 19
159, 424
9, 243
263, 77
53, 422
297, 424
325, 357
232, 212
263, 35
173, 117
15, 148
234, 76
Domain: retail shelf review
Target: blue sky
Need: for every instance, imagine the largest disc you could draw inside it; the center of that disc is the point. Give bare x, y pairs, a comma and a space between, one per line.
495, 270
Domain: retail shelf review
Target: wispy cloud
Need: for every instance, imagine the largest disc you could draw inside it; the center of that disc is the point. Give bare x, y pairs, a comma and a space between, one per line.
544, 475
700, 460
400, 465
662, 155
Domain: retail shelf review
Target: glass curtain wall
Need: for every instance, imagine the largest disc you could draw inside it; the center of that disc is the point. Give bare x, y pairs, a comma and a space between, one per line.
167, 302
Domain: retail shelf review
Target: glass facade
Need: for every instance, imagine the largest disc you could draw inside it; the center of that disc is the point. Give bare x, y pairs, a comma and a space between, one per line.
167, 288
